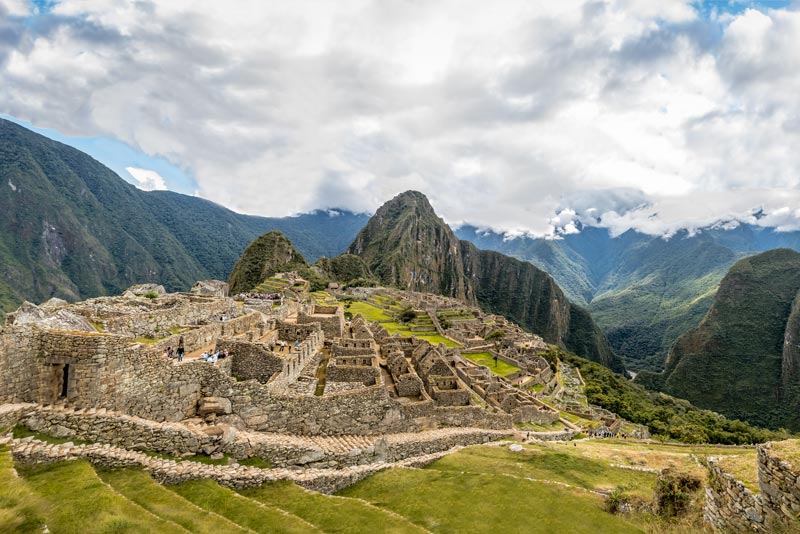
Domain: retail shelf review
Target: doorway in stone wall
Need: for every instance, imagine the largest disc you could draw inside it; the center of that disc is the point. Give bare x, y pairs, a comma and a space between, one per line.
65, 382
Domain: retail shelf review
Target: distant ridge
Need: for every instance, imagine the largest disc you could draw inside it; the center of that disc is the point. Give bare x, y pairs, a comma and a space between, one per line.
643, 290
407, 245
72, 228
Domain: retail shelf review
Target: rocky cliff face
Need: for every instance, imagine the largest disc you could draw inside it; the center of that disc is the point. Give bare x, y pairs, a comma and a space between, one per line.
407, 245
742, 360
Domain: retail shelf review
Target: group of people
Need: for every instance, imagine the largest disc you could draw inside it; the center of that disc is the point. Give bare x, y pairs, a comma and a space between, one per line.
177, 353
215, 356
282, 344
260, 296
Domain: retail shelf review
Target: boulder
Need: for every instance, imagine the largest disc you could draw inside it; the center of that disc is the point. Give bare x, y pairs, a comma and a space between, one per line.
210, 288
214, 405
141, 290
53, 304
60, 319
28, 313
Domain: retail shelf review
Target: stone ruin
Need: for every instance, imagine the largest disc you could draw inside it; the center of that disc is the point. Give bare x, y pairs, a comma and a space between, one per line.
296, 374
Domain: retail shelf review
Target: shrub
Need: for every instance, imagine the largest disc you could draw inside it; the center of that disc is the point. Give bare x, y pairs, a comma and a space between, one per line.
406, 315
674, 492
617, 501
151, 295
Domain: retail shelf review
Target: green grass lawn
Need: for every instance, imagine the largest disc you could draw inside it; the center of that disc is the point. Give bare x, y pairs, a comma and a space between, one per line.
436, 339
80, 502
369, 312
545, 463
137, 486
453, 503
20, 509
373, 313
331, 514
245, 512
501, 368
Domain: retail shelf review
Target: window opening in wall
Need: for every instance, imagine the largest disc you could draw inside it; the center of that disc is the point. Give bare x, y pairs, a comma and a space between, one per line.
65, 381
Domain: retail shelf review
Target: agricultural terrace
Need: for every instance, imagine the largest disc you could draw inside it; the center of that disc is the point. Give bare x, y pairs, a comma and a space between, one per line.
500, 368
371, 312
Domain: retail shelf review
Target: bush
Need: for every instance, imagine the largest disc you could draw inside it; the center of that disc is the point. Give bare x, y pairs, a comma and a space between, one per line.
674, 492
151, 295
407, 315
496, 334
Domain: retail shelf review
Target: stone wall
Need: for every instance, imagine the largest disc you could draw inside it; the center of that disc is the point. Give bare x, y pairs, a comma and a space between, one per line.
731, 507
331, 318
367, 375
252, 361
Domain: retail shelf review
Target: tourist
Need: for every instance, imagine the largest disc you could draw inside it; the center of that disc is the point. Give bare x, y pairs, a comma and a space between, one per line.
205, 356
296, 342
166, 354
214, 358
180, 349
170, 353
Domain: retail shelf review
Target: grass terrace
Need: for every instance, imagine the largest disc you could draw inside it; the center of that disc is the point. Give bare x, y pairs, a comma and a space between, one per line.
500, 368
374, 313
488, 494
743, 467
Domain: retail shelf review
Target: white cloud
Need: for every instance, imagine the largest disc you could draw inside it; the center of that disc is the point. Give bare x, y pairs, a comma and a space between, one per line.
147, 180
15, 8
508, 116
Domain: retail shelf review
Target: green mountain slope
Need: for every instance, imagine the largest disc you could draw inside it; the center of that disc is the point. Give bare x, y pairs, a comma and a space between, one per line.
72, 228
407, 245
742, 359
266, 255
643, 291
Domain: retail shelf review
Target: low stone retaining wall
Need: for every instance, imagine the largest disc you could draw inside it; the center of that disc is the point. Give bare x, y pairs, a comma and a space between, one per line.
174, 472
563, 435
730, 506
100, 426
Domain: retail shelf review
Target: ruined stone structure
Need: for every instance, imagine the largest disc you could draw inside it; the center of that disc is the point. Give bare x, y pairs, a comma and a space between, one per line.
330, 318
732, 507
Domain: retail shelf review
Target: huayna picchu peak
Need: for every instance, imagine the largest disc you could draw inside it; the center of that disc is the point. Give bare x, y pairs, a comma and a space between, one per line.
407, 245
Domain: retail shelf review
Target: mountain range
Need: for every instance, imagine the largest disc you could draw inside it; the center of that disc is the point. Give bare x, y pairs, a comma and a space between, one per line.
72, 228
644, 291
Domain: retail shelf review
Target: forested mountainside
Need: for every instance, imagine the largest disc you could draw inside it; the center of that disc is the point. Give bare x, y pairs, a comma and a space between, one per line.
407, 245
643, 291
72, 228
743, 359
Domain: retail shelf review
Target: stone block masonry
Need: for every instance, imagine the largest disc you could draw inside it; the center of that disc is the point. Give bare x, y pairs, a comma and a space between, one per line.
731, 507
166, 471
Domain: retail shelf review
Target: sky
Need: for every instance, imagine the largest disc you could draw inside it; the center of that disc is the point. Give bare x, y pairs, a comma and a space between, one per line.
521, 116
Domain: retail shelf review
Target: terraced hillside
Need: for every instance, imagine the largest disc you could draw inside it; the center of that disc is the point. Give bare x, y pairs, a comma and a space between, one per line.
540, 488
